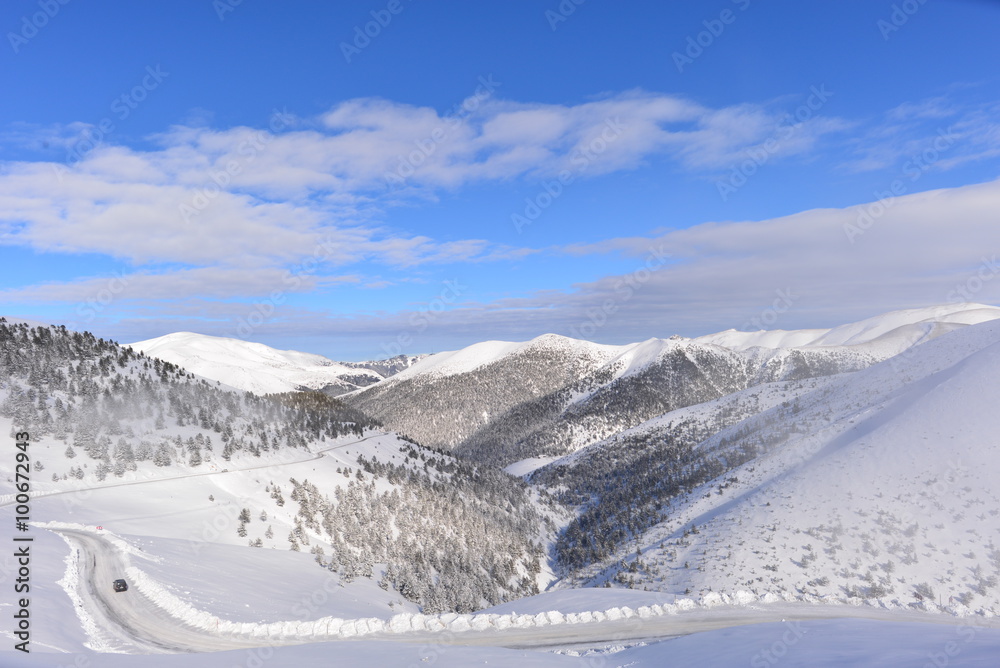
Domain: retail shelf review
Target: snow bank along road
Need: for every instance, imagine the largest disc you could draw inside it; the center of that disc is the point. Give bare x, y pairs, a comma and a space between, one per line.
149, 620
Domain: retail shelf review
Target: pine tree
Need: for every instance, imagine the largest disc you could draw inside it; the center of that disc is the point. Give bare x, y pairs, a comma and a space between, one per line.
162, 455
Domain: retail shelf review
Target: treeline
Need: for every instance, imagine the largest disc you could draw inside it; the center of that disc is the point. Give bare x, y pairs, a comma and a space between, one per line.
119, 407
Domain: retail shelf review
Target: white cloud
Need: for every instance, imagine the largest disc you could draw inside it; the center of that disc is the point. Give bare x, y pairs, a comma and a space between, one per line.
926, 248
260, 202
263, 199
935, 133
207, 282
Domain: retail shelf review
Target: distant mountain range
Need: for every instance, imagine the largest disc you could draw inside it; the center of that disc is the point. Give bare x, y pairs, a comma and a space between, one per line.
859, 462
878, 485
501, 402
260, 369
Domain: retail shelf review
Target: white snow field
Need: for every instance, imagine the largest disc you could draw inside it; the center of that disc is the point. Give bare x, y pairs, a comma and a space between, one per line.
250, 366
844, 643
260, 600
882, 485
907, 325
149, 619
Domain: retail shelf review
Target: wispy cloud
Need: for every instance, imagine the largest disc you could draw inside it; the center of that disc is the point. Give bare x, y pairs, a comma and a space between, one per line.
205, 282
245, 201
927, 248
910, 134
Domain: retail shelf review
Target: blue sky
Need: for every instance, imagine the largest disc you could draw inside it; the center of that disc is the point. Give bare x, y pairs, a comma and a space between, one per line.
493, 170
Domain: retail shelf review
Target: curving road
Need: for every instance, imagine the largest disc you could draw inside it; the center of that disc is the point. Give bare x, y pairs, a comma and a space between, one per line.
130, 617
136, 621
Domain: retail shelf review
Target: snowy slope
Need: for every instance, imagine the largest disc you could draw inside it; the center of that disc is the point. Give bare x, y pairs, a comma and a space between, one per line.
881, 484
902, 324
261, 369
254, 367
875, 483
551, 395
490, 352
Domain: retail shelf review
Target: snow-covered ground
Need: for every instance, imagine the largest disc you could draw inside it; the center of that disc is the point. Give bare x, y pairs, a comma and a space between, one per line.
905, 324
883, 487
846, 643
273, 597
253, 367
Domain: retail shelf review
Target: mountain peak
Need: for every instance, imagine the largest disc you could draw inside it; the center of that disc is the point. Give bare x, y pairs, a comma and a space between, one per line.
255, 367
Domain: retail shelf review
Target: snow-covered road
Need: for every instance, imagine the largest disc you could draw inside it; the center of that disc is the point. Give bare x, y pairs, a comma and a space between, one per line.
131, 618
142, 625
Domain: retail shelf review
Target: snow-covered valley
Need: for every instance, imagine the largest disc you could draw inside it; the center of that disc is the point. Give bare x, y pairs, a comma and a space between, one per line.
733, 496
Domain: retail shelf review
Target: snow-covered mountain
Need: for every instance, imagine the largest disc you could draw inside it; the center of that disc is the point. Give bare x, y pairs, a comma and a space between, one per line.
389, 366
896, 331
293, 471
501, 402
260, 369
859, 464
880, 484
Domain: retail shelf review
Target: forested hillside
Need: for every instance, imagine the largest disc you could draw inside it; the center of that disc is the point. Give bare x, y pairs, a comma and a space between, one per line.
446, 533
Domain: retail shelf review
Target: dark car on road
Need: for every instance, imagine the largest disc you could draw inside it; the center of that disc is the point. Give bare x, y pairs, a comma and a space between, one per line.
120, 585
